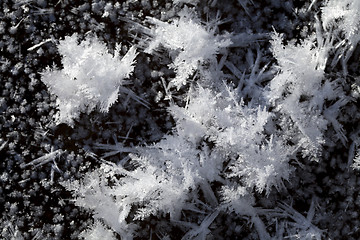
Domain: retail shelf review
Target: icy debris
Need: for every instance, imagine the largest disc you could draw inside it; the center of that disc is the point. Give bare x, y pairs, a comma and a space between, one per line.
44, 159
202, 231
40, 44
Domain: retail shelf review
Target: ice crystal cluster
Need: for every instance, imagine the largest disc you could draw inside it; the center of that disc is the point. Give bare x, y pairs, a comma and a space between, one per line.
90, 77
180, 119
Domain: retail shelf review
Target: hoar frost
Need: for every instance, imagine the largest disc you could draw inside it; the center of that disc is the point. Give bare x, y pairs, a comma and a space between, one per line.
223, 148
343, 17
169, 175
91, 77
300, 91
190, 43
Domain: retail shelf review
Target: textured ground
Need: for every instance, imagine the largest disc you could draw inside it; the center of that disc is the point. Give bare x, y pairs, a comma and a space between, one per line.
33, 203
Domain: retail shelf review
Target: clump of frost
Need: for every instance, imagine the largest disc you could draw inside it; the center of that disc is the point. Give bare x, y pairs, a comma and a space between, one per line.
356, 164
168, 177
97, 231
193, 2
259, 159
343, 17
152, 189
189, 42
91, 77
354, 154
299, 92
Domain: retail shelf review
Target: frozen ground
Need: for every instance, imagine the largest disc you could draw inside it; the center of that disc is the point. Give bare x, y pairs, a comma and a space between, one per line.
187, 119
